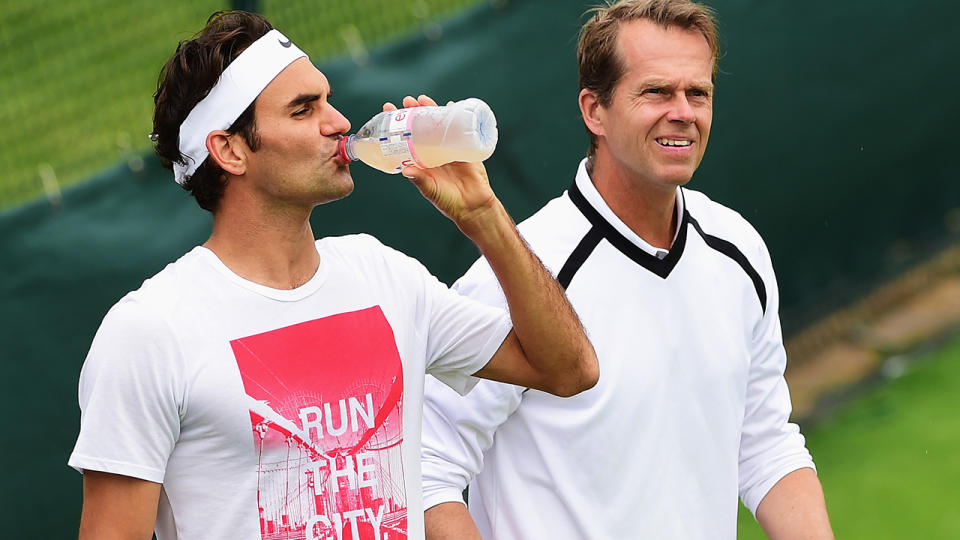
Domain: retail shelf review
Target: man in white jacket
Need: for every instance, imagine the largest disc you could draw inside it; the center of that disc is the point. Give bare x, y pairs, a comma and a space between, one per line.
679, 297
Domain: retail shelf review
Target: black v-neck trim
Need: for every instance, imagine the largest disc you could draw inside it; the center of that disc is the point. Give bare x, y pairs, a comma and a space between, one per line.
660, 267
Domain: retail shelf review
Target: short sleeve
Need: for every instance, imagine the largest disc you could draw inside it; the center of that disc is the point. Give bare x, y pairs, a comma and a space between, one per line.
129, 396
463, 335
480, 283
770, 445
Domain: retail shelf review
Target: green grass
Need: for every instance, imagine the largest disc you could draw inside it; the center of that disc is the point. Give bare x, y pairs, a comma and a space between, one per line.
890, 461
77, 81
77, 78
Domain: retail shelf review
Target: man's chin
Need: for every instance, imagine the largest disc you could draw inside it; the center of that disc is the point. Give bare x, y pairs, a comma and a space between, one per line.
338, 187
677, 176
341, 193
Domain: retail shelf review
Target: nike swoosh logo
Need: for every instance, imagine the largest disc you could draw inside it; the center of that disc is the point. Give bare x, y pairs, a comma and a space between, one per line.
286, 44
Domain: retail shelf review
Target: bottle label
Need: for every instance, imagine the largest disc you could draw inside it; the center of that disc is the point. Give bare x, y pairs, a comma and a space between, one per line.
395, 145
397, 141
400, 120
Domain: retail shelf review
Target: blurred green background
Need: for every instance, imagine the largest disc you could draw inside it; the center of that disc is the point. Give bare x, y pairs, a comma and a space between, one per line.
888, 460
827, 123
77, 78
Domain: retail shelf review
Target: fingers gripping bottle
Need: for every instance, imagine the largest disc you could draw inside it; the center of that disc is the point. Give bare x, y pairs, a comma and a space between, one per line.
424, 137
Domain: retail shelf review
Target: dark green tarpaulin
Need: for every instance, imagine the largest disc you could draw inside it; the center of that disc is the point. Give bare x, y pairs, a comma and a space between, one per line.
831, 133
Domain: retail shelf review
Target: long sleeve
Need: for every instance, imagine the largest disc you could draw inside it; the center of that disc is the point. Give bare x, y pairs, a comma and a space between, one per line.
770, 446
458, 429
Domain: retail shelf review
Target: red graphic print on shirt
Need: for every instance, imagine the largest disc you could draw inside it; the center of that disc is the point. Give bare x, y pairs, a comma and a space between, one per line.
326, 407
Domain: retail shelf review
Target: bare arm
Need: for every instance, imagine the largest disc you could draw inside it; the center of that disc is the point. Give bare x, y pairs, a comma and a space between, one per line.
547, 349
450, 521
117, 507
795, 509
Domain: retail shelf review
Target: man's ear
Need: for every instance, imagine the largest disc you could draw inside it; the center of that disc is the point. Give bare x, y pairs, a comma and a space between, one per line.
592, 112
228, 151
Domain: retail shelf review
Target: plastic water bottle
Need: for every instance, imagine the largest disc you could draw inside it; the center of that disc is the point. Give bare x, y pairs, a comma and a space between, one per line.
424, 137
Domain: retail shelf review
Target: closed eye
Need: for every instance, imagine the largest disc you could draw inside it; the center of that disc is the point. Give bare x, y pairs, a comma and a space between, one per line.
302, 104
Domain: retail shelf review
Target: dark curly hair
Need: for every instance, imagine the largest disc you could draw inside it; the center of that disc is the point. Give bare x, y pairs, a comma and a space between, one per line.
187, 78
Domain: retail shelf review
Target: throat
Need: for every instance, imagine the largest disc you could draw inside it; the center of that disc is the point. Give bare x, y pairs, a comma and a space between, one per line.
651, 215
660, 231
275, 261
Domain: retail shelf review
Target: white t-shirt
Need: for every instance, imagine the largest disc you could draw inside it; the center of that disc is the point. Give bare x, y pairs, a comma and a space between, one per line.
279, 413
690, 409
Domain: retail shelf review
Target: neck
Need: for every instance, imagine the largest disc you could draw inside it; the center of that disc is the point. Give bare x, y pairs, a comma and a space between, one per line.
647, 209
270, 246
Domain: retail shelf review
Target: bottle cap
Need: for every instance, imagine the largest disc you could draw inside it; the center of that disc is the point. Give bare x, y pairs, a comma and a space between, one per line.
342, 150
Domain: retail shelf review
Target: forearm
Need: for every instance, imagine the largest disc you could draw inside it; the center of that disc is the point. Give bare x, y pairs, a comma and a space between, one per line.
545, 325
795, 508
450, 521
548, 349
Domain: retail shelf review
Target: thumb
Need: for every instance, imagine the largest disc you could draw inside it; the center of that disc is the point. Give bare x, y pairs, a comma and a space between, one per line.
414, 173
420, 178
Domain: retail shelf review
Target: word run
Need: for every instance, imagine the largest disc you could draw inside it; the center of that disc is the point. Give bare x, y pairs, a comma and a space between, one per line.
315, 419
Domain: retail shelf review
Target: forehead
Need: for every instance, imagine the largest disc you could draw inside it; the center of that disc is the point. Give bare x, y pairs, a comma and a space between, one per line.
300, 77
671, 52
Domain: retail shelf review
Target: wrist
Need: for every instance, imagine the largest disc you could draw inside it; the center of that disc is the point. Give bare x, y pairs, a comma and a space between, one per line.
487, 226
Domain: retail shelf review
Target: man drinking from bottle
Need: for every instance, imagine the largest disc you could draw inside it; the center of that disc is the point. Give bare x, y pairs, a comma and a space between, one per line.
268, 384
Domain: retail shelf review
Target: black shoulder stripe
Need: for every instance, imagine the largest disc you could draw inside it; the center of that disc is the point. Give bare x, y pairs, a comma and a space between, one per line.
730, 250
579, 256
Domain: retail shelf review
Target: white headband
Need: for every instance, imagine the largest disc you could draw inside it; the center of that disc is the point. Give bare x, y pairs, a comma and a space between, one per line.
239, 85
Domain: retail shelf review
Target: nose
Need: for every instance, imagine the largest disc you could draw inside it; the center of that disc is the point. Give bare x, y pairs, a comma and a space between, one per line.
334, 122
680, 110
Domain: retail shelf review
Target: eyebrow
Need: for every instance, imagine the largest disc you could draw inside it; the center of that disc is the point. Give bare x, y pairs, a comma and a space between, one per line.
656, 83
705, 87
305, 98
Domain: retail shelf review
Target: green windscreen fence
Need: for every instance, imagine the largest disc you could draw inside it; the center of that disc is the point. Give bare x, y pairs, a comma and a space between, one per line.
828, 136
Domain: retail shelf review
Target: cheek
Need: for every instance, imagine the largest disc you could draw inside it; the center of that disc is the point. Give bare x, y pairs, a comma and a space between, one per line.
291, 137
646, 121
704, 127
705, 117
